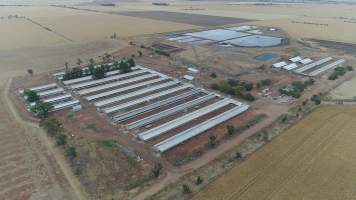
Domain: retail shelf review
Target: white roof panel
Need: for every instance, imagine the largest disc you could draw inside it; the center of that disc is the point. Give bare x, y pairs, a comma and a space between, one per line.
279, 65
306, 61
296, 59
290, 66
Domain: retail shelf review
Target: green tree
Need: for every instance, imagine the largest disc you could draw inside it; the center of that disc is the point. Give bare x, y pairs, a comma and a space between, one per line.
41, 109
52, 126
98, 73
124, 67
131, 62
31, 96
30, 72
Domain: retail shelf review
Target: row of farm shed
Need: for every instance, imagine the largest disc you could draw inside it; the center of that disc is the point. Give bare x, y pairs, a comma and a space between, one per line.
155, 108
307, 66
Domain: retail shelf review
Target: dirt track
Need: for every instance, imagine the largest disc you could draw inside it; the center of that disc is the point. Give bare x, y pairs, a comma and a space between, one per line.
312, 160
31, 167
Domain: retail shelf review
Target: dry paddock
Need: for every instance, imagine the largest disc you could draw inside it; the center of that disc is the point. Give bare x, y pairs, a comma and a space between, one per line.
314, 159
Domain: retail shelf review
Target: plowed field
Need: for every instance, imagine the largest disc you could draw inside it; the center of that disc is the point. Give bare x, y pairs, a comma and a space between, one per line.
314, 159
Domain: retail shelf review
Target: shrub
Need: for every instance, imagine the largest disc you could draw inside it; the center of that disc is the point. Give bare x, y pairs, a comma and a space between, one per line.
198, 180
52, 126
186, 189
61, 139
71, 153
212, 141
108, 143
238, 155
316, 99
333, 76
213, 75
30, 71
157, 168
266, 82
350, 68
230, 129
249, 97
99, 72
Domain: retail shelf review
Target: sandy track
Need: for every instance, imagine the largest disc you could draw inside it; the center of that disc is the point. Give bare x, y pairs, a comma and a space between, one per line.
303, 163
37, 177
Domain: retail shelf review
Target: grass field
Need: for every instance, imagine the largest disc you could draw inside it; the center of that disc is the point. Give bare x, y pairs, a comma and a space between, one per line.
346, 90
312, 160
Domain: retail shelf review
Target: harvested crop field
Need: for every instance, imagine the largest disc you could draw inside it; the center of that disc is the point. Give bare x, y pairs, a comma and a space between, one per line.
93, 26
42, 26
186, 18
21, 33
312, 160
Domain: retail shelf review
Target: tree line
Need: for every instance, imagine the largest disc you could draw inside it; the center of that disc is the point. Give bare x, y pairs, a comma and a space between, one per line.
99, 71
236, 88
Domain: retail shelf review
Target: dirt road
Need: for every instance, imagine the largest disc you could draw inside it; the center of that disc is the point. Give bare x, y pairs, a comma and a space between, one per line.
312, 160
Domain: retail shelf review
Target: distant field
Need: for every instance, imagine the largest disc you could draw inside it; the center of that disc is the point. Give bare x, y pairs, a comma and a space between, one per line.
333, 18
314, 159
98, 26
20, 33
186, 18
75, 25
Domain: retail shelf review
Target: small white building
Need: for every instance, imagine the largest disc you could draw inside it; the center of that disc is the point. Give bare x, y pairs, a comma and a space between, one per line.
188, 77
290, 66
296, 59
306, 61
279, 65
193, 70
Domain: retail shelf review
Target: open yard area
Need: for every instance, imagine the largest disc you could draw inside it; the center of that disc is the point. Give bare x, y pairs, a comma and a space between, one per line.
312, 160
